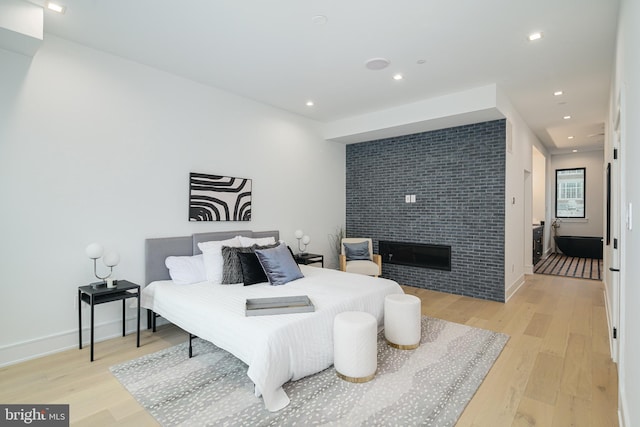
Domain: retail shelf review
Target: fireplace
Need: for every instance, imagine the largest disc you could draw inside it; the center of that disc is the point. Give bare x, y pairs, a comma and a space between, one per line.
416, 254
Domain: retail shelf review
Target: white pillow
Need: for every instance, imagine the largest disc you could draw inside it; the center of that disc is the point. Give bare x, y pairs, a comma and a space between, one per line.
185, 270
212, 252
246, 242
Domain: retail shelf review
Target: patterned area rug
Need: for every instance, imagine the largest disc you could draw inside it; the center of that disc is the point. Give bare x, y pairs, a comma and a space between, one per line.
430, 385
562, 265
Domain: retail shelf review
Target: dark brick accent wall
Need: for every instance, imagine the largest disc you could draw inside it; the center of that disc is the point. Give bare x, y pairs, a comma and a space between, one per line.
458, 177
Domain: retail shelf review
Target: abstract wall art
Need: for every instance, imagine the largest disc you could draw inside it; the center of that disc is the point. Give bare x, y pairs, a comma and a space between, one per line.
219, 198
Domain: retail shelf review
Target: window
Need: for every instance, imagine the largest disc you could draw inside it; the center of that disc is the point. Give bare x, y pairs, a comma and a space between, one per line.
570, 193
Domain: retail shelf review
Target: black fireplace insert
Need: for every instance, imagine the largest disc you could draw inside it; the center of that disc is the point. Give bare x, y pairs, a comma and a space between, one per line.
416, 254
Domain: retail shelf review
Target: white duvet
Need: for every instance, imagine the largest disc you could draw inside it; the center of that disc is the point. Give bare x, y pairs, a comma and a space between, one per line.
277, 348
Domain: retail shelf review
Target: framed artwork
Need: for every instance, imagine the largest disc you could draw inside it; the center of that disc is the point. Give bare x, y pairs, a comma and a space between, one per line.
219, 198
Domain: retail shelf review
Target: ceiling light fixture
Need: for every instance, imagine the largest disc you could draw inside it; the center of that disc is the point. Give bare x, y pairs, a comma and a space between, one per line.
319, 19
570, 137
377, 63
566, 117
574, 151
421, 61
310, 103
557, 93
55, 7
535, 36
398, 76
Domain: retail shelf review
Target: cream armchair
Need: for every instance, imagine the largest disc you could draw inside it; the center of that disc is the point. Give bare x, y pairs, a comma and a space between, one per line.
356, 259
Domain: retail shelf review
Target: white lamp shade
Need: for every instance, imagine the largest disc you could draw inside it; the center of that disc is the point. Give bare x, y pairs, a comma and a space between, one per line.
306, 239
94, 250
299, 234
111, 259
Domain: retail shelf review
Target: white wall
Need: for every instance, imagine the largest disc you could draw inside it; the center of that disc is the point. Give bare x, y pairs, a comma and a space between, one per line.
97, 148
626, 93
518, 216
474, 105
21, 26
539, 181
594, 162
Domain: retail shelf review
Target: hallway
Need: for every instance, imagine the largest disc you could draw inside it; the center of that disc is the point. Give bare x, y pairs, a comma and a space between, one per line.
574, 267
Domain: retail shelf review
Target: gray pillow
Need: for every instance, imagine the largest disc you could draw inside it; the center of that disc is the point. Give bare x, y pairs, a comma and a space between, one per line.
231, 268
278, 264
356, 251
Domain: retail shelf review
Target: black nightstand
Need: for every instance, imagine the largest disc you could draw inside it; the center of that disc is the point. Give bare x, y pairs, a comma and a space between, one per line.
101, 294
308, 258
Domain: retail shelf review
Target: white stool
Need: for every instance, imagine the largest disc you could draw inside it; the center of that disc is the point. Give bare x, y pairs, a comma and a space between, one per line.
355, 346
402, 321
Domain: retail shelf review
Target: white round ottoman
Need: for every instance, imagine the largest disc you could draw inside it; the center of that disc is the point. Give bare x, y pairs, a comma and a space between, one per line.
355, 346
402, 321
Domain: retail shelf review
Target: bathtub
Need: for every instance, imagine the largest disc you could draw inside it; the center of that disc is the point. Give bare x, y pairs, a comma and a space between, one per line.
577, 246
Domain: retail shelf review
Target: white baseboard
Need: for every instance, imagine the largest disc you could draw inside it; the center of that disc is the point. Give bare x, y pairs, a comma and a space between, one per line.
55, 343
513, 288
612, 351
623, 417
528, 269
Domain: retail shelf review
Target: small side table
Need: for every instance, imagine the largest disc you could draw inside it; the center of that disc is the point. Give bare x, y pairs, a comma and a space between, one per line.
308, 258
101, 294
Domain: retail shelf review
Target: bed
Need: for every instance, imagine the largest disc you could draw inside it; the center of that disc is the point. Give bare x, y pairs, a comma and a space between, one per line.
277, 348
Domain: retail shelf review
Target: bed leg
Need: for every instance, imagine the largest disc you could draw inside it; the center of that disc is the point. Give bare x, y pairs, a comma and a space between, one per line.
149, 319
191, 337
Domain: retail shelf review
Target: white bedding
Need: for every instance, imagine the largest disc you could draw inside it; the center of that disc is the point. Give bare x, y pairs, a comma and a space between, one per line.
277, 348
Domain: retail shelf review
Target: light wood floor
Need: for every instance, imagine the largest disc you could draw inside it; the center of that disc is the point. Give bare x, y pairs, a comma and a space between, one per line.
554, 371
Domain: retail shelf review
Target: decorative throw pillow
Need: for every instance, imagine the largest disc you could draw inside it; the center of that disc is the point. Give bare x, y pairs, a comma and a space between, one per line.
212, 252
355, 251
231, 269
279, 265
252, 271
185, 270
260, 241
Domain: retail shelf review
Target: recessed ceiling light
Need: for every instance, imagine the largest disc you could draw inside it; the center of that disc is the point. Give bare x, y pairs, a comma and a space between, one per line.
319, 19
310, 103
398, 76
566, 117
377, 63
421, 61
574, 151
535, 36
558, 93
570, 137
55, 7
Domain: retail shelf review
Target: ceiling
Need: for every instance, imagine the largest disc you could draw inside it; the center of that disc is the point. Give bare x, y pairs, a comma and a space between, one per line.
286, 52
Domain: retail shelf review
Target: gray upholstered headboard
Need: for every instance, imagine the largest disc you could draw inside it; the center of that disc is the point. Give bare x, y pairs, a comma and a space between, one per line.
158, 249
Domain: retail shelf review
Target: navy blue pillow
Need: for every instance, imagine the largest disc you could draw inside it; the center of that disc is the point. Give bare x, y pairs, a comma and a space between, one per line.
279, 265
356, 251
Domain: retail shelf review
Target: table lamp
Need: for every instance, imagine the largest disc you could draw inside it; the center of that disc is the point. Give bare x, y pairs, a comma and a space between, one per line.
110, 259
304, 239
